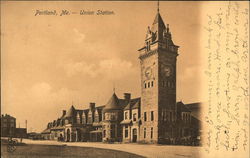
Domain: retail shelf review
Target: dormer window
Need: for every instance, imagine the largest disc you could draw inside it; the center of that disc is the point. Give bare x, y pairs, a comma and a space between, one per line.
148, 45
83, 118
134, 116
126, 116
78, 119
96, 117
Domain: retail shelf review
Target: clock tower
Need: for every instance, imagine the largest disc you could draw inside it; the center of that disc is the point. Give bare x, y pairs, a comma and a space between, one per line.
158, 83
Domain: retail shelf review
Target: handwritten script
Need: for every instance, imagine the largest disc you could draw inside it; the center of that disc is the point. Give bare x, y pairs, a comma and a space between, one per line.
227, 71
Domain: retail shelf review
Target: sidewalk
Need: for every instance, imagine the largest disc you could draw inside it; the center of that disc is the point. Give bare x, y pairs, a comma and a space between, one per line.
147, 150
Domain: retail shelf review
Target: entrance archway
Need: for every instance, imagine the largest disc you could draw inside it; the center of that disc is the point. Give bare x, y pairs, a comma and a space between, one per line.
68, 135
134, 135
61, 137
79, 135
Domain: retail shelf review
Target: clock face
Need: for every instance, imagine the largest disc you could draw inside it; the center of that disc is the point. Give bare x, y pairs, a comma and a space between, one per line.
148, 72
167, 71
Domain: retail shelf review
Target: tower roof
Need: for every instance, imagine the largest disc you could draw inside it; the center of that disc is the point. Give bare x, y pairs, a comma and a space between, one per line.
158, 27
158, 20
70, 112
113, 103
127, 107
136, 105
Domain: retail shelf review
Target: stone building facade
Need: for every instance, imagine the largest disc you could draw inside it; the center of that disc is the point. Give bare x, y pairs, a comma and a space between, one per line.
9, 129
155, 117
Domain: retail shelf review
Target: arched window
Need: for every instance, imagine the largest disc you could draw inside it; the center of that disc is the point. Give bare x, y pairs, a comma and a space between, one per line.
83, 118
170, 116
168, 83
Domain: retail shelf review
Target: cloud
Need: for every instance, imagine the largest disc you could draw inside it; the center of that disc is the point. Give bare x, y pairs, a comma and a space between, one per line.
190, 73
79, 37
40, 89
80, 68
114, 68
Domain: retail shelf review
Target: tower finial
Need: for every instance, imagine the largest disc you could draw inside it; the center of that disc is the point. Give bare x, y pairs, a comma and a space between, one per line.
113, 87
158, 6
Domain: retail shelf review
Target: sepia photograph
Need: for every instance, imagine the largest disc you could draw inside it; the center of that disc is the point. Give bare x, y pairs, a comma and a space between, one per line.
125, 79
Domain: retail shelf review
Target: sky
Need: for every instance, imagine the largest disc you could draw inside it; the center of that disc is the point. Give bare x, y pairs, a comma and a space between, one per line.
50, 62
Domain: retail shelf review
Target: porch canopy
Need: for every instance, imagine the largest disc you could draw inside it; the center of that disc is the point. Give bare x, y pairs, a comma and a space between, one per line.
96, 131
124, 122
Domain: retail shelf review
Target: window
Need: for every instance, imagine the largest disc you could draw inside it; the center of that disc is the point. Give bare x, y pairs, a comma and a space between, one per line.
113, 116
148, 84
148, 45
166, 116
126, 116
66, 122
145, 85
104, 116
12, 125
144, 132
78, 120
152, 83
145, 116
104, 133
112, 131
170, 116
97, 118
152, 115
134, 116
126, 131
162, 115
151, 134
90, 119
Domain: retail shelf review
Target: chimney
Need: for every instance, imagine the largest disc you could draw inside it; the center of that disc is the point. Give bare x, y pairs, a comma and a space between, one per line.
64, 112
127, 96
91, 106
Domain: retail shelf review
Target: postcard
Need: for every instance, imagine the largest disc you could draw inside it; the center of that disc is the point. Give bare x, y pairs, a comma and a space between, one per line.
122, 79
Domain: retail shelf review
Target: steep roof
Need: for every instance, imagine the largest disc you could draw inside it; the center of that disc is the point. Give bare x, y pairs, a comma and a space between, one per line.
127, 107
158, 20
182, 107
158, 27
113, 103
133, 104
45, 131
195, 110
70, 112
136, 105
7, 116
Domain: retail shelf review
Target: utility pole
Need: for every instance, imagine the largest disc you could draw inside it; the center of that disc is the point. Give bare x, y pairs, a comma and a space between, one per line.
26, 125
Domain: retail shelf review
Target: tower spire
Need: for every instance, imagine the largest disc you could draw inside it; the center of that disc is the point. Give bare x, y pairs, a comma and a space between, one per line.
158, 6
113, 87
